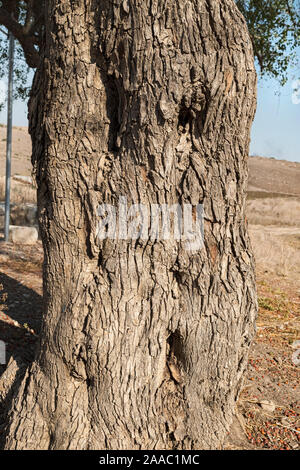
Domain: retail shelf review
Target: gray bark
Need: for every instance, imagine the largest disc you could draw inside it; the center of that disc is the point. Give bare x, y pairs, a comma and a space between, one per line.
143, 343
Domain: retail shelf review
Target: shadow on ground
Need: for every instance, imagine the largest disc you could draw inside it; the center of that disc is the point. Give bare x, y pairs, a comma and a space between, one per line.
20, 323
20, 319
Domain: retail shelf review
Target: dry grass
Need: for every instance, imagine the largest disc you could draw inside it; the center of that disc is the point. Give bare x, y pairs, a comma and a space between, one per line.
274, 229
21, 193
276, 250
274, 211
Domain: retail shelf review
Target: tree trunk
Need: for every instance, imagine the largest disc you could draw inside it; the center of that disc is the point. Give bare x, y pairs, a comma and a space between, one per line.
144, 343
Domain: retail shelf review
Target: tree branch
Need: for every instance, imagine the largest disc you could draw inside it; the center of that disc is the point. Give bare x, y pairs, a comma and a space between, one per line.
27, 41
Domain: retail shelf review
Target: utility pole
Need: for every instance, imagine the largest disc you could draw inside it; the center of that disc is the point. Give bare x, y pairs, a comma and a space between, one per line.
9, 134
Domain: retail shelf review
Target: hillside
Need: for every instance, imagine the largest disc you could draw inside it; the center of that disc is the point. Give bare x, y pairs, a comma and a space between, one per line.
273, 176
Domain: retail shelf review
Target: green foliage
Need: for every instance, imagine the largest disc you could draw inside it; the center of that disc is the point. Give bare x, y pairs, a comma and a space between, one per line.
21, 70
265, 303
274, 27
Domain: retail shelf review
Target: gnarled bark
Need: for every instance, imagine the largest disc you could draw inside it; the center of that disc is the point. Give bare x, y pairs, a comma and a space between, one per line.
143, 343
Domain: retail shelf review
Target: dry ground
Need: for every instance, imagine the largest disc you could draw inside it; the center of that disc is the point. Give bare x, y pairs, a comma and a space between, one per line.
274, 225
273, 213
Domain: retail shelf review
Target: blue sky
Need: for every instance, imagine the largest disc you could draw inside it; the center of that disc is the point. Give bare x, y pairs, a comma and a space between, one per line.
276, 128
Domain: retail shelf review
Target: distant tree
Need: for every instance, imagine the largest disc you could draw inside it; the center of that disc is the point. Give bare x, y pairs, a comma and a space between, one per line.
21, 70
274, 28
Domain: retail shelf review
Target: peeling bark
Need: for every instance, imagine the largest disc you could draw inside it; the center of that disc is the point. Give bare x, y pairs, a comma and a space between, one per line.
143, 343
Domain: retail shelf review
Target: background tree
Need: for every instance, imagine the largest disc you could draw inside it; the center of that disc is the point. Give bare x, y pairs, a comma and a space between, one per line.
274, 27
25, 20
143, 344
21, 71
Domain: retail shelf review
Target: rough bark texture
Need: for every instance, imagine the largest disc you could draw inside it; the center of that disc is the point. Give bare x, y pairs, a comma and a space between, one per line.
143, 343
